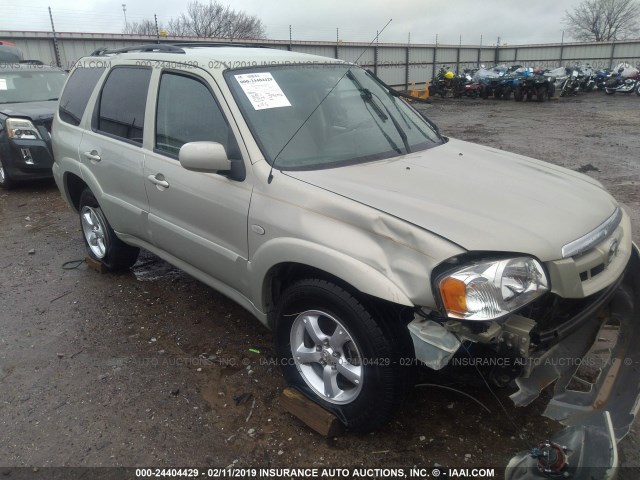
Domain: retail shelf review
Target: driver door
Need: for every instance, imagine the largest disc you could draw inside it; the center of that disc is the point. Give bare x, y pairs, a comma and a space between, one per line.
200, 218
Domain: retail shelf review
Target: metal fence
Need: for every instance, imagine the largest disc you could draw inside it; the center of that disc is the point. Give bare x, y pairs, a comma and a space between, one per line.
398, 65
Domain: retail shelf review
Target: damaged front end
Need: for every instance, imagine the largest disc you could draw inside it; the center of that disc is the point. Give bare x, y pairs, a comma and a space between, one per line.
586, 452
588, 346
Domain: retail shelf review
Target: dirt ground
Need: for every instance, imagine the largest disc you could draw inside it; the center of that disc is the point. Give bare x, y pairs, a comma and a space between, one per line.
152, 368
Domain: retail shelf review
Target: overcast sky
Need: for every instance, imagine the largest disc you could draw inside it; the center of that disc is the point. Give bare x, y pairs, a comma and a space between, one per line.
516, 22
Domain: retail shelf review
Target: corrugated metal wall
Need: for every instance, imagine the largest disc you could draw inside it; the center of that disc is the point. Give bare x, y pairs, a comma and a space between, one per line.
397, 64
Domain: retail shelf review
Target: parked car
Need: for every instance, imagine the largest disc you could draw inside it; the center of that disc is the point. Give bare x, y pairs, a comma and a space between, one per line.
29, 94
9, 52
307, 191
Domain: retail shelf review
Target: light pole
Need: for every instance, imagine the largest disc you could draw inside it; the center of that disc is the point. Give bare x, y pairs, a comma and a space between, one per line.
124, 10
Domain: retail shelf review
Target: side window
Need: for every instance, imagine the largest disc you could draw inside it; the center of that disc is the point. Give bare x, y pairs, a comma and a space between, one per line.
188, 112
76, 94
122, 103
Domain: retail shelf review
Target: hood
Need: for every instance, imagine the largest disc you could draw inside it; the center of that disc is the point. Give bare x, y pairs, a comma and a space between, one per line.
478, 197
33, 110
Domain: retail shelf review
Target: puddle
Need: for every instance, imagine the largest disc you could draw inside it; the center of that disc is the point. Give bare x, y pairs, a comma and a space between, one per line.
150, 268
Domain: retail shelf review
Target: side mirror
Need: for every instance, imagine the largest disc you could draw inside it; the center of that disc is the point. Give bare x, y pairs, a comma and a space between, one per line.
204, 157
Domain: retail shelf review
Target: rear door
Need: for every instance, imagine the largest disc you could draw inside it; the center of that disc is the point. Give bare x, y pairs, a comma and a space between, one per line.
112, 150
201, 218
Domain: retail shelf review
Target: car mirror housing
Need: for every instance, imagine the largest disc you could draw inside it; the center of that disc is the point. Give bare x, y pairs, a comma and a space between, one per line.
204, 157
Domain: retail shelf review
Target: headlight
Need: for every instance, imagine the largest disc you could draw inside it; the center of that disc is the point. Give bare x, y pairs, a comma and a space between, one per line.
21, 129
491, 289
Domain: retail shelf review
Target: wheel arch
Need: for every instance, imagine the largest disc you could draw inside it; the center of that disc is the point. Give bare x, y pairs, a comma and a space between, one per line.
279, 263
74, 186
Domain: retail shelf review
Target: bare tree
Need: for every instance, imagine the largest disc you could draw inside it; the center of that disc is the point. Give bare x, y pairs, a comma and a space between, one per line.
216, 20
145, 27
604, 20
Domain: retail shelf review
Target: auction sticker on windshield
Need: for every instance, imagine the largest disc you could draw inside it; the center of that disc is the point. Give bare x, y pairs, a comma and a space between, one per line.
262, 90
3, 83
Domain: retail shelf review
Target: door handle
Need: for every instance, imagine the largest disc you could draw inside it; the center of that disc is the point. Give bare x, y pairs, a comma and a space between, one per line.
92, 155
158, 180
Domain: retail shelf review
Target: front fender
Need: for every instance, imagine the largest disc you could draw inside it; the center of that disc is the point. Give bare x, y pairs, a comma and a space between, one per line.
292, 250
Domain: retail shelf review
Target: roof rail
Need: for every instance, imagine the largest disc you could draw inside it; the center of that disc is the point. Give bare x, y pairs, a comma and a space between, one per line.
152, 47
220, 44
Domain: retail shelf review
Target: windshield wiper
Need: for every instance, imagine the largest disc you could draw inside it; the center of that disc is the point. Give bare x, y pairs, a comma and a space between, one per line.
367, 96
394, 94
401, 132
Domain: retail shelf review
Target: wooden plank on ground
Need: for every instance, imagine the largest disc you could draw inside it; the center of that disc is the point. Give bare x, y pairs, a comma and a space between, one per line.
95, 265
312, 414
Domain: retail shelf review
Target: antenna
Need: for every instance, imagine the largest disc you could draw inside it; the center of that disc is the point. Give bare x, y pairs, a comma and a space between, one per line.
375, 39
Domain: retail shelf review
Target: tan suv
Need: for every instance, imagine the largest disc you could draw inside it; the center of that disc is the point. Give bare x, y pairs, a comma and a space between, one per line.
309, 192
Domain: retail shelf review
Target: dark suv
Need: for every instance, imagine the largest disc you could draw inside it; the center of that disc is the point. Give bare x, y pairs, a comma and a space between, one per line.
29, 93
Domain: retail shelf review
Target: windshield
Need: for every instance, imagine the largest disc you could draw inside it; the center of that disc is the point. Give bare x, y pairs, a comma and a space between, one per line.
32, 85
323, 116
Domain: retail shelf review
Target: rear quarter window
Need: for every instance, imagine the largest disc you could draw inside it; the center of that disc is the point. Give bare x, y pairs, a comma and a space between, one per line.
76, 94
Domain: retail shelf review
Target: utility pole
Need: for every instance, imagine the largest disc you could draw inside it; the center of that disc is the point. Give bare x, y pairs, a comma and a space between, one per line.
289, 37
435, 60
155, 17
124, 10
56, 51
375, 54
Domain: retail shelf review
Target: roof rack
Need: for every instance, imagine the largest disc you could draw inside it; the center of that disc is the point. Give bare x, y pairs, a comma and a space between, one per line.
220, 44
152, 47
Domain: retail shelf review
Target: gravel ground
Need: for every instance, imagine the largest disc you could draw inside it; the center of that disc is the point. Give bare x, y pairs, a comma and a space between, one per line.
152, 368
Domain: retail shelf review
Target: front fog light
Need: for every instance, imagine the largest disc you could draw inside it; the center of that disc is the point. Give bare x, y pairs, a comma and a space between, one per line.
491, 289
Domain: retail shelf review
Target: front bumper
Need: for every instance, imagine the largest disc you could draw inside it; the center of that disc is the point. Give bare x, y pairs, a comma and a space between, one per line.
27, 159
595, 367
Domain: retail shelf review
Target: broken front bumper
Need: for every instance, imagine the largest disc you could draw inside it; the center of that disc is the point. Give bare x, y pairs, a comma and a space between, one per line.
597, 367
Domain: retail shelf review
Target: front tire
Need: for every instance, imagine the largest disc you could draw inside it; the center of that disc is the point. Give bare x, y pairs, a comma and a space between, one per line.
551, 92
6, 181
541, 93
101, 241
342, 354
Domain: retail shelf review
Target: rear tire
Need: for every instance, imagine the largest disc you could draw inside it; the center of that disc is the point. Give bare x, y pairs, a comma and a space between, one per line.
541, 93
341, 353
551, 92
6, 181
564, 88
101, 241
518, 95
